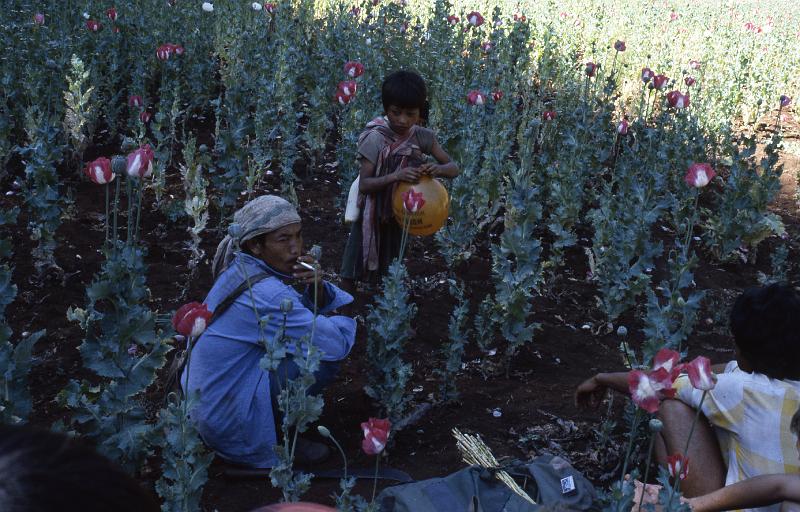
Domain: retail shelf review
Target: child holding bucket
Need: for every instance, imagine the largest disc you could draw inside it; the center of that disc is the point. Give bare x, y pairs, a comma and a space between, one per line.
391, 149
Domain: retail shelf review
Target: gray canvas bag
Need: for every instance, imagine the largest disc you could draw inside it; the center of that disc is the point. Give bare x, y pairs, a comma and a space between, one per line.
551, 481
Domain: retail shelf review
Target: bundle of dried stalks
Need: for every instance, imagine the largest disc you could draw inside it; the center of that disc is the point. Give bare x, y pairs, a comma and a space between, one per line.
475, 452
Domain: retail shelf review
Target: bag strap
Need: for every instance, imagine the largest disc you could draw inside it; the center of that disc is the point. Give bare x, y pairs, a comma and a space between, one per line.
231, 298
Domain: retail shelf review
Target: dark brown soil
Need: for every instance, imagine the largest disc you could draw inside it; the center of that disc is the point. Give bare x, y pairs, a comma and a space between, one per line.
535, 401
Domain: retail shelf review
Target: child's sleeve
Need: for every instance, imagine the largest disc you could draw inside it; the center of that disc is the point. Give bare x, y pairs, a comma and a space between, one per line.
426, 138
370, 146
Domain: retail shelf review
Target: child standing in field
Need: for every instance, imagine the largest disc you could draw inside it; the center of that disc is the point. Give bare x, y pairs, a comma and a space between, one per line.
391, 149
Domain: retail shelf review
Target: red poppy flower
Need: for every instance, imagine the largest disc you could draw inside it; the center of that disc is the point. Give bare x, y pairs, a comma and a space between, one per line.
353, 69
475, 19
412, 200
99, 171
191, 319
475, 97
678, 465
376, 433
699, 175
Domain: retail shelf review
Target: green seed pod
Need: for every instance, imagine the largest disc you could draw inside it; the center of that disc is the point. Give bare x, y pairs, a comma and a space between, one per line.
118, 165
656, 425
622, 331
323, 431
286, 306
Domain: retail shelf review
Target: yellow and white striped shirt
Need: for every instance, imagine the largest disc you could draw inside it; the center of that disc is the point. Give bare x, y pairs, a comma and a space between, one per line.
751, 414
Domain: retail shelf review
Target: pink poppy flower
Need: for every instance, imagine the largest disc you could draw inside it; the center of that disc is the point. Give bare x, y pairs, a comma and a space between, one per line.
785, 101
135, 101
191, 319
93, 26
700, 374
689, 81
668, 360
412, 200
619, 46
112, 14
694, 64
475, 19
699, 175
476, 98
591, 68
342, 98
549, 115
644, 391
348, 88
353, 69
99, 171
678, 466
271, 7
376, 434
677, 99
487, 46
660, 81
622, 127
497, 95
647, 74
453, 19
145, 116
38, 18
140, 162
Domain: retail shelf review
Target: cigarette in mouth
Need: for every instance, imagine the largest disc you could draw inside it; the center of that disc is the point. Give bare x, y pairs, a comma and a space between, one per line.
306, 265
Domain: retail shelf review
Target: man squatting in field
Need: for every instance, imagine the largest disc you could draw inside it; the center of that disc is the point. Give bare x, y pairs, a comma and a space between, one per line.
746, 421
237, 408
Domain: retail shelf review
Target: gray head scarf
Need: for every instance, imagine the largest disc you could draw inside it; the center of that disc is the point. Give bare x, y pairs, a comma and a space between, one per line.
263, 214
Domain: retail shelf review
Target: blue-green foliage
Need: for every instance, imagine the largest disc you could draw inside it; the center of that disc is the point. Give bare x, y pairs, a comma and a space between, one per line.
739, 217
185, 457
15, 360
453, 351
388, 327
516, 263
41, 186
123, 347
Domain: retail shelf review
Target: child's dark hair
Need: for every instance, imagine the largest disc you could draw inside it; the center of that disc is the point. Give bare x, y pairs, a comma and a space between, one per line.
794, 426
405, 89
41, 471
764, 326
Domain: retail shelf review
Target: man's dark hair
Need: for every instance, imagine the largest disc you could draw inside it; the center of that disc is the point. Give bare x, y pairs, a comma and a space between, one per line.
42, 471
764, 323
405, 89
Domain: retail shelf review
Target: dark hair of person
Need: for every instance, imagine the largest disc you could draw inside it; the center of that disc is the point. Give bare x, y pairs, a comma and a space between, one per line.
764, 326
794, 426
42, 471
405, 89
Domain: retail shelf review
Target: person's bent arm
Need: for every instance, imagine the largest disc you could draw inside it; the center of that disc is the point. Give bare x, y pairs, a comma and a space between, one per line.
446, 167
591, 391
759, 491
369, 184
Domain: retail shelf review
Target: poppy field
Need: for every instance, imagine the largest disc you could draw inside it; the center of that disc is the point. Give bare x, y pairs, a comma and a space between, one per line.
627, 169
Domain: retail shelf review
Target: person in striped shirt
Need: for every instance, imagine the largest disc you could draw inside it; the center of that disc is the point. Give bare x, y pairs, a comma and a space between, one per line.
746, 419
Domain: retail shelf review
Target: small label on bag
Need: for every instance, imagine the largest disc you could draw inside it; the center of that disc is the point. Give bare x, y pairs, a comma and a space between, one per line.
567, 485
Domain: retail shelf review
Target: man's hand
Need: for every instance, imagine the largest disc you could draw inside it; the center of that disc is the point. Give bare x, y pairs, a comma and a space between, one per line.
590, 393
408, 174
306, 275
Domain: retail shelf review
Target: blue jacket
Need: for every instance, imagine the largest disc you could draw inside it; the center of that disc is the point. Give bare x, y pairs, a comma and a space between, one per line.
234, 413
